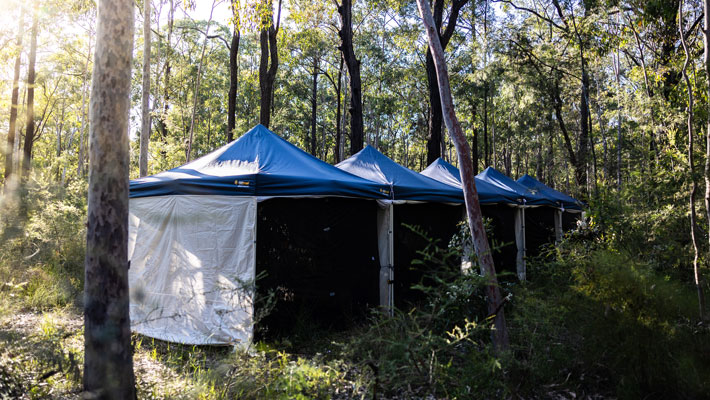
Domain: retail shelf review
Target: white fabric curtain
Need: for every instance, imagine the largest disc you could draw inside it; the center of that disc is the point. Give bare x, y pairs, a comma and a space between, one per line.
520, 242
558, 224
385, 244
192, 268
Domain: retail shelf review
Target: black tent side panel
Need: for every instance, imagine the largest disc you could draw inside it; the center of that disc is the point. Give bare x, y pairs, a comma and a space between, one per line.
439, 223
320, 258
502, 240
539, 229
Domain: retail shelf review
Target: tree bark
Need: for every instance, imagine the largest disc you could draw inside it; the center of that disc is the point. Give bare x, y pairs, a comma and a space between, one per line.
691, 167
338, 126
357, 133
434, 140
473, 209
233, 77
162, 125
108, 362
145, 101
196, 93
30, 129
80, 167
9, 150
314, 106
699, 280
268, 64
474, 145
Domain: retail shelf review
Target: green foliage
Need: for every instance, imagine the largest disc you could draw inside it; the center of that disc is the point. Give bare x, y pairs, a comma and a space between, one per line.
440, 347
42, 254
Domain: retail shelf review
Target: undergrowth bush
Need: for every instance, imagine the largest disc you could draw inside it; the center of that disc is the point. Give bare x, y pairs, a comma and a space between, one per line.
42, 244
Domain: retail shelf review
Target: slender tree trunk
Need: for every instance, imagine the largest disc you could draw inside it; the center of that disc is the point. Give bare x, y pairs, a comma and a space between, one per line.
474, 145
434, 140
475, 220
338, 126
314, 106
80, 167
486, 153
691, 166
108, 362
145, 101
699, 280
166, 78
233, 78
268, 65
346, 36
30, 130
196, 92
9, 150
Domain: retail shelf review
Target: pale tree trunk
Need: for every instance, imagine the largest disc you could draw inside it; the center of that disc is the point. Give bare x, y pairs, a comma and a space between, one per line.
268, 65
434, 141
108, 362
9, 150
357, 128
145, 101
30, 129
473, 209
80, 167
196, 93
691, 166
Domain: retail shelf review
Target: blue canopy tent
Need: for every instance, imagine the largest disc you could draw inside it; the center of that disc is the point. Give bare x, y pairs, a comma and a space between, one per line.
527, 212
570, 209
500, 204
200, 234
416, 200
488, 193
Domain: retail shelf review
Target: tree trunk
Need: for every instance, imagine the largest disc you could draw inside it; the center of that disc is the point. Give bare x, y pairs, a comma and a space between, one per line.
583, 142
473, 209
474, 145
233, 79
486, 153
353, 64
338, 126
196, 92
108, 362
434, 140
699, 280
30, 130
80, 167
314, 107
691, 167
9, 150
145, 101
268, 65
166, 79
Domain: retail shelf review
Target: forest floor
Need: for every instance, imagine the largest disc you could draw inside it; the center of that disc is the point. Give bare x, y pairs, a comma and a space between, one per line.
41, 357
47, 349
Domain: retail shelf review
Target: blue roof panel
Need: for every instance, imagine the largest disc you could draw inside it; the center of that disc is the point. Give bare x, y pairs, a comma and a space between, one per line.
444, 172
546, 191
406, 184
260, 163
501, 181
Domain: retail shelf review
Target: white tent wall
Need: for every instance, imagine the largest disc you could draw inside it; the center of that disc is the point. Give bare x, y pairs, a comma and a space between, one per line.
192, 267
558, 225
520, 242
385, 244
